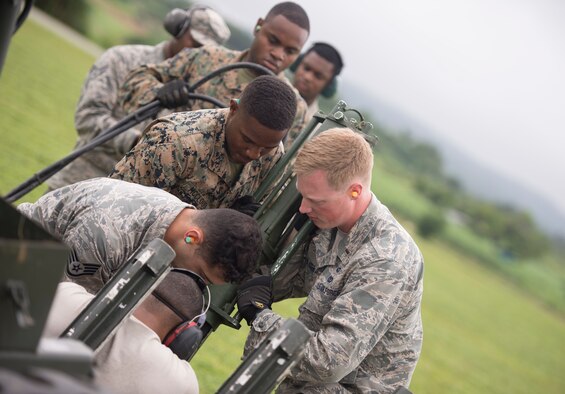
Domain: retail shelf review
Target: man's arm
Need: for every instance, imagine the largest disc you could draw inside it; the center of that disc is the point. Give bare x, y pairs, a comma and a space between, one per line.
289, 282
158, 160
98, 104
142, 84
355, 322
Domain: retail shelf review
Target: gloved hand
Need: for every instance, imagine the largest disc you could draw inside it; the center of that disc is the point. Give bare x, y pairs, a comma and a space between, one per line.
253, 296
173, 94
246, 204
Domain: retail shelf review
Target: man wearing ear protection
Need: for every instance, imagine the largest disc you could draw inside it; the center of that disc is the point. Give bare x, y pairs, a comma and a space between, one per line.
211, 158
105, 221
98, 109
361, 272
315, 74
140, 356
277, 42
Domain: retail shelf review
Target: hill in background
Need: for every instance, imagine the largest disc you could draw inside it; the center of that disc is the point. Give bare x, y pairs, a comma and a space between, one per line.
476, 178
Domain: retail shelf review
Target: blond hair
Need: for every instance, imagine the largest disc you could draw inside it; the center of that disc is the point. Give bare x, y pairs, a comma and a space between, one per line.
342, 153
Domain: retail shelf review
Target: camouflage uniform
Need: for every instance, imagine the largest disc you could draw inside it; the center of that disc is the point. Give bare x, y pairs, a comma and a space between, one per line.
97, 111
104, 222
191, 65
363, 308
185, 154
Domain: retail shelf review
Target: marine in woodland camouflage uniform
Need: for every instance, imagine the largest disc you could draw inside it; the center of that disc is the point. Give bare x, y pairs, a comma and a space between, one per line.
280, 30
362, 275
98, 109
105, 221
184, 153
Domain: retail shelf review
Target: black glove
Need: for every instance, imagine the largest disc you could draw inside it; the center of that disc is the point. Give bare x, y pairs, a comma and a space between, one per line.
246, 205
253, 296
173, 94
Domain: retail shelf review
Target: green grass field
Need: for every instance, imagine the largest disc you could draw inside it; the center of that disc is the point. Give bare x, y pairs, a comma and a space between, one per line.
483, 333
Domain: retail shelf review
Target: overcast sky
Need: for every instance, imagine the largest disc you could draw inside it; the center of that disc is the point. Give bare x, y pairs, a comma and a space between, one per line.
489, 75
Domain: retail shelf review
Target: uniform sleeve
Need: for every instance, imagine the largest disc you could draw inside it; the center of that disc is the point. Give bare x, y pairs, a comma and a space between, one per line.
289, 282
46, 212
352, 324
158, 160
96, 109
142, 84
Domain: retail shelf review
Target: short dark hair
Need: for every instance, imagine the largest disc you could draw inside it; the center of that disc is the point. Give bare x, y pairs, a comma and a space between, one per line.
182, 293
232, 240
291, 11
271, 101
329, 53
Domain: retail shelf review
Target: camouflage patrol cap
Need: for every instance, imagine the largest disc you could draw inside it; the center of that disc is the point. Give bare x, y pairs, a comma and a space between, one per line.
208, 27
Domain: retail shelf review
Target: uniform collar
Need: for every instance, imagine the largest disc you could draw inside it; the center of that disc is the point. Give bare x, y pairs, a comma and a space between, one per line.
354, 239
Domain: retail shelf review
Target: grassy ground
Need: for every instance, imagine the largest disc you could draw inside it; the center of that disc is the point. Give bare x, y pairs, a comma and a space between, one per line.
483, 334
39, 88
543, 277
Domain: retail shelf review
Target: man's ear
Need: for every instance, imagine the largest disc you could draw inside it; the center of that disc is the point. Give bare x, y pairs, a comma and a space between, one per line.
258, 25
234, 106
196, 235
355, 190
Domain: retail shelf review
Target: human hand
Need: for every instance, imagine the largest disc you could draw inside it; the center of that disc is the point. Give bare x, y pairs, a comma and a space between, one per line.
246, 204
253, 296
173, 94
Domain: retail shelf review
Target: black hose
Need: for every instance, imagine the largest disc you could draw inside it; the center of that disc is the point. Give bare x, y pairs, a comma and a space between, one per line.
23, 15
126, 123
223, 69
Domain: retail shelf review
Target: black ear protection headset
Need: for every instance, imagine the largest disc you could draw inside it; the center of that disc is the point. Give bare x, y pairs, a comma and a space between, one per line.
331, 87
185, 338
177, 21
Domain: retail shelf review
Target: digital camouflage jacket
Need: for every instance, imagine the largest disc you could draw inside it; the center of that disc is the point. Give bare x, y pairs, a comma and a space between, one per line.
362, 308
104, 221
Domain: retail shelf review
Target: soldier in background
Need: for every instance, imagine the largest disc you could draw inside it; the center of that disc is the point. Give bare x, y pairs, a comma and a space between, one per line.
315, 74
135, 359
278, 40
97, 108
211, 158
361, 273
105, 221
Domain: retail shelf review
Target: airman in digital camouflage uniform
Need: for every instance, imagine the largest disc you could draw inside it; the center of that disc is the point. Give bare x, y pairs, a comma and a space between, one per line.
361, 273
211, 158
105, 221
277, 42
98, 109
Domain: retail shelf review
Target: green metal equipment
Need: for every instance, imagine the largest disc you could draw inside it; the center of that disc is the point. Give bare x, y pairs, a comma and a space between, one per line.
278, 213
119, 296
31, 265
267, 365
